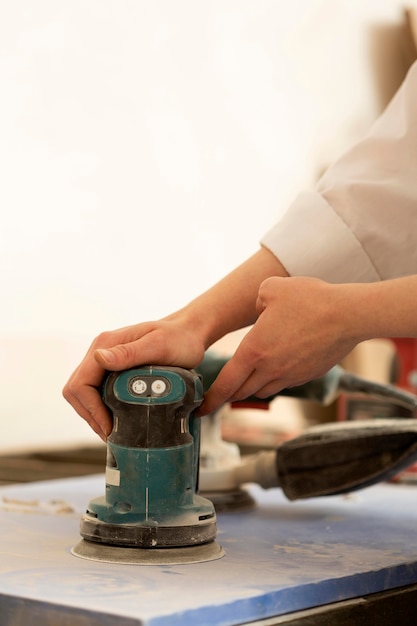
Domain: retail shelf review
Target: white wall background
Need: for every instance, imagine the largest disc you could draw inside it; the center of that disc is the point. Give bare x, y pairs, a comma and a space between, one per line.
145, 146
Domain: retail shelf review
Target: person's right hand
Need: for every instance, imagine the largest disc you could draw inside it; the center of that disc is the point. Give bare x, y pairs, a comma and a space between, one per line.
305, 327
165, 342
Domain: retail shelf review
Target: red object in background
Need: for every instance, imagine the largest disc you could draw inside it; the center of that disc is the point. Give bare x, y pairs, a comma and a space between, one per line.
405, 375
255, 403
406, 365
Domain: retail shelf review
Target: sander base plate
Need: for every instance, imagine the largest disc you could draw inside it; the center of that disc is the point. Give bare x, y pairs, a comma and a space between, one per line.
148, 556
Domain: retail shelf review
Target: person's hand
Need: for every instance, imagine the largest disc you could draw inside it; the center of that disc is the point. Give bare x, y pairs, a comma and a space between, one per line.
179, 339
166, 342
303, 330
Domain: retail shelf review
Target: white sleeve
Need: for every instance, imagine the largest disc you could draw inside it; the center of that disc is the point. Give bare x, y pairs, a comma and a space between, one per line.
360, 225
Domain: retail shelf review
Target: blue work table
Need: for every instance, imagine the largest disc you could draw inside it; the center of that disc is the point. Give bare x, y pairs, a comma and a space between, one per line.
280, 558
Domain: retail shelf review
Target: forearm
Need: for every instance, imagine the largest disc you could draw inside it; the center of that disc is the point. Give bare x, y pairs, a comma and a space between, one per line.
231, 303
381, 309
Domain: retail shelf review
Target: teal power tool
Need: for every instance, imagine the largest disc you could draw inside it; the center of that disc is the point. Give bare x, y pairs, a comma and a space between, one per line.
151, 512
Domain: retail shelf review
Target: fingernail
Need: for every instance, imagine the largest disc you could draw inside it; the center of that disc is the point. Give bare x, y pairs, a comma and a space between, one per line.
107, 355
104, 433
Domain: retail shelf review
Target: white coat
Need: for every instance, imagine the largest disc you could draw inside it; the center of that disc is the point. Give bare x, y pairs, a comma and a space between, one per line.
360, 224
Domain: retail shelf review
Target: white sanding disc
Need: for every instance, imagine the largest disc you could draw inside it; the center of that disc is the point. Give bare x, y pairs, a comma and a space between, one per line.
148, 556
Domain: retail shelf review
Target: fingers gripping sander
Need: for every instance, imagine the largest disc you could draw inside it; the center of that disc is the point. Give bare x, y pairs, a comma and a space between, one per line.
151, 511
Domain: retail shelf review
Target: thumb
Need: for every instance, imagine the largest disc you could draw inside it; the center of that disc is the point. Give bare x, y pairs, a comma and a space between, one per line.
118, 357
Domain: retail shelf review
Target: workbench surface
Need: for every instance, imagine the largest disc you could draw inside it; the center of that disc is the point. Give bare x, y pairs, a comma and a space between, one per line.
281, 557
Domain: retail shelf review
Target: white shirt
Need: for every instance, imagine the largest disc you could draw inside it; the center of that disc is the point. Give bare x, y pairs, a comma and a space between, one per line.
360, 225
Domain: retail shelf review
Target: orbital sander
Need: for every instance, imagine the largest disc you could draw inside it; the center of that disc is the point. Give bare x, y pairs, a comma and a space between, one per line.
151, 512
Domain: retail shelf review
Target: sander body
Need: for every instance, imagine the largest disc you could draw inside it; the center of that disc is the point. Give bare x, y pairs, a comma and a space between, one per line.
151, 503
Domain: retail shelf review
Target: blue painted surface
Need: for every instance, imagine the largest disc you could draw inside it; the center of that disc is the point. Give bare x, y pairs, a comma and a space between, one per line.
279, 558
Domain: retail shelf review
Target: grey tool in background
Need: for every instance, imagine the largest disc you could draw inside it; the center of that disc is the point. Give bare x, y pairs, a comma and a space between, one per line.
328, 459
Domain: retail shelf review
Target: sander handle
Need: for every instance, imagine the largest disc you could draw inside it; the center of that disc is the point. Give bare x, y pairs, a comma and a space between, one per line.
333, 458
324, 390
341, 457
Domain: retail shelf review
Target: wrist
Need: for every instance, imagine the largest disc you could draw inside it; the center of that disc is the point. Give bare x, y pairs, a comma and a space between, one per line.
204, 318
231, 303
367, 310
